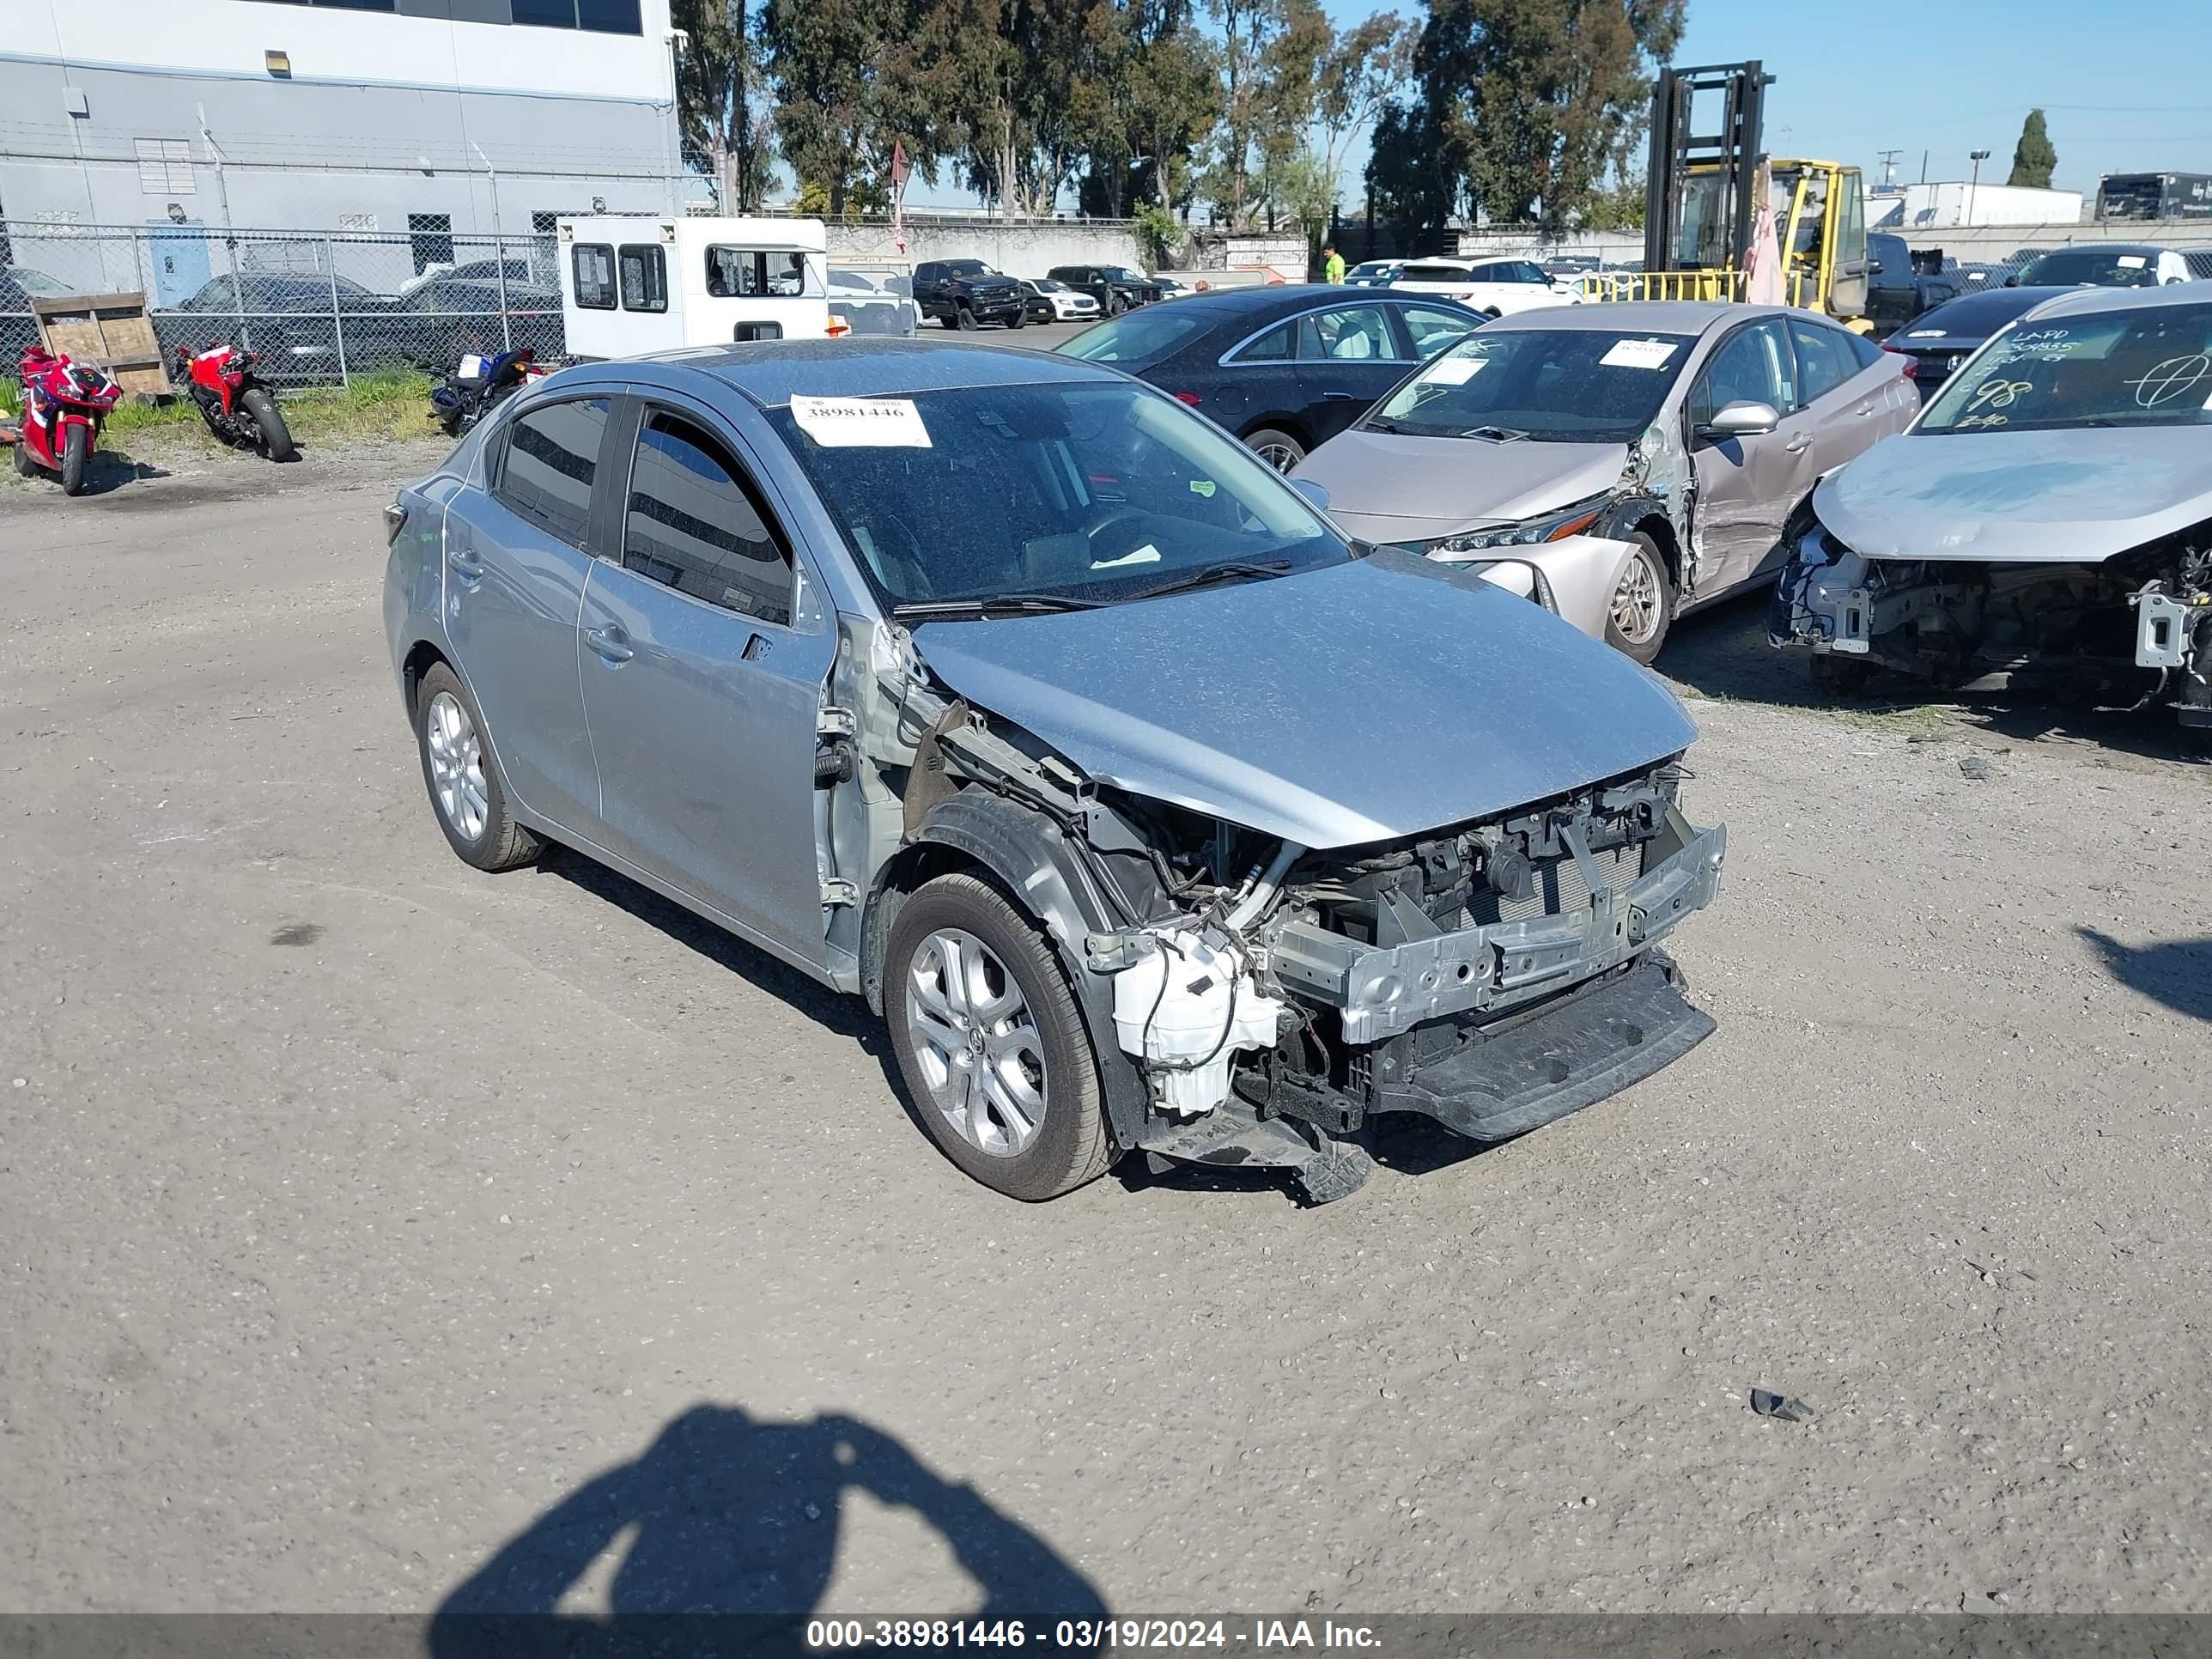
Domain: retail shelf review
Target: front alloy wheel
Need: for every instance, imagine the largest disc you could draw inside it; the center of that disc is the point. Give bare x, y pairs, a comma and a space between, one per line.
976, 1041
1643, 605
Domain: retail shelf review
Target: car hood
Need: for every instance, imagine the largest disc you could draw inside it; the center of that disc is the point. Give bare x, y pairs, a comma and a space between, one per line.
2073, 496
1360, 702
1387, 488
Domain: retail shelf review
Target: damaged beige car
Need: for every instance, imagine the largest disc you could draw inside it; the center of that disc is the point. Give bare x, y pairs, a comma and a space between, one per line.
1621, 463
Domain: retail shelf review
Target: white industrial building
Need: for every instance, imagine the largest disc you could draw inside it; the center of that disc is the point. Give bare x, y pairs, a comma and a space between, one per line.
422, 119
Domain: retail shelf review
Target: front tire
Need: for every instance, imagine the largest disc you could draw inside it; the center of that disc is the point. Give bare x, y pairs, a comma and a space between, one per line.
465, 794
76, 454
276, 437
966, 321
1115, 305
1642, 608
991, 1045
1020, 319
1278, 448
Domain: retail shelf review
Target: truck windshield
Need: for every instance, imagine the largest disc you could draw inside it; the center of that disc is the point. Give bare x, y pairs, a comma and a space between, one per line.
2150, 366
1073, 494
1566, 385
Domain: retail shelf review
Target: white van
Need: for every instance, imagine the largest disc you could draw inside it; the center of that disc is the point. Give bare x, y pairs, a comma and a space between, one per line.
634, 283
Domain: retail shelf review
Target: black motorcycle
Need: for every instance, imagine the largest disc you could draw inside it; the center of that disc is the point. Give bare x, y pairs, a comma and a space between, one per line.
467, 398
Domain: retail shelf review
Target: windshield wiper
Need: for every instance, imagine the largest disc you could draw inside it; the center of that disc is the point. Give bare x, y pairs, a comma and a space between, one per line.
1497, 434
992, 604
1237, 571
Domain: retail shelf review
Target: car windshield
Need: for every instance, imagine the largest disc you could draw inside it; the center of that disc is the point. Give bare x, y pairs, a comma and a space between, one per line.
1565, 384
1066, 493
1135, 336
2094, 267
970, 267
2151, 365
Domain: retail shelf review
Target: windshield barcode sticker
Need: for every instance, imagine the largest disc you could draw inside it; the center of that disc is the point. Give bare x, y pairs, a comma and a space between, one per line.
860, 422
1637, 354
1456, 370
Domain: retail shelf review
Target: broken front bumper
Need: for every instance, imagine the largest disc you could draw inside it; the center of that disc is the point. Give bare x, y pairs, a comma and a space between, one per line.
1381, 991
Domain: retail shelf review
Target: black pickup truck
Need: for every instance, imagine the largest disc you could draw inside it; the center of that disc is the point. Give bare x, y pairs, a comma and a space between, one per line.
966, 294
1899, 287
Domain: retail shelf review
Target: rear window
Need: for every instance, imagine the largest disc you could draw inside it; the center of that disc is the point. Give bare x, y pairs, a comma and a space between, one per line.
594, 264
1434, 274
1136, 336
644, 277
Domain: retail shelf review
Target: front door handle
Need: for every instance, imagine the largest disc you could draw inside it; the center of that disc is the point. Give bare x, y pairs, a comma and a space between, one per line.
1337, 397
1799, 444
610, 643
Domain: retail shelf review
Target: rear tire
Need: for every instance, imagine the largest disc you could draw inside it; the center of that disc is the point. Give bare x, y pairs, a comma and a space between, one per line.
467, 796
276, 437
76, 453
25, 467
1049, 1066
1642, 609
1276, 447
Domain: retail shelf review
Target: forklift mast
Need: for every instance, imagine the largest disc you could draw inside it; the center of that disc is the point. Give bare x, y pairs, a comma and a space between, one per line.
1725, 159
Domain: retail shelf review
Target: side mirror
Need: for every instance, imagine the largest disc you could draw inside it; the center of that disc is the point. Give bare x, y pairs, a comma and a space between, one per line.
1316, 496
1741, 419
1874, 267
2013, 280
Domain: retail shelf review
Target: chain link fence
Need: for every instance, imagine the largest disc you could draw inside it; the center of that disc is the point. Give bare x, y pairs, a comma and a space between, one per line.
320, 308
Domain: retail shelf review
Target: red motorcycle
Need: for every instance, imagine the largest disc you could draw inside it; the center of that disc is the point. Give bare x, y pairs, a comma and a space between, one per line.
63, 405
233, 400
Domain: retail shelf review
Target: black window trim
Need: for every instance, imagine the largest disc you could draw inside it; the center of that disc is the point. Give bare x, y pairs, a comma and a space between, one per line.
610, 508
497, 446
614, 266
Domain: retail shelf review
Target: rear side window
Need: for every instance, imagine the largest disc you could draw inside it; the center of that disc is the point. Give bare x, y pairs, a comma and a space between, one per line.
644, 276
594, 264
1824, 359
1432, 329
694, 524
1866, 353
1277, 345
552, 456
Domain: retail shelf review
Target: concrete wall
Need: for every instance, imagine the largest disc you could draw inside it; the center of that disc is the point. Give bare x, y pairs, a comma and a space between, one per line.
1019, 250
116, 109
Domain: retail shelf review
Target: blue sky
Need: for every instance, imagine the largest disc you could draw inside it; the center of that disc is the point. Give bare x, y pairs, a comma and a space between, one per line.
2115, 80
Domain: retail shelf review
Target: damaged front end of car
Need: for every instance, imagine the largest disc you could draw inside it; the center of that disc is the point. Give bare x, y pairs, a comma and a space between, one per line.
1257, 1003
2140, 620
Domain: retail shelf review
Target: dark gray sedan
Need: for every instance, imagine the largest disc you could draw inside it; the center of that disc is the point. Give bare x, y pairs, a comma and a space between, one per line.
1008, 694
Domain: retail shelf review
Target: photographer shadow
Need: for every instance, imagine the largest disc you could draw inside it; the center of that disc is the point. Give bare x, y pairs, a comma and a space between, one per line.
732, 1527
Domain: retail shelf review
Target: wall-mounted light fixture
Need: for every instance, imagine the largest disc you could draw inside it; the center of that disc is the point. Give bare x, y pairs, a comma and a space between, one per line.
278, 63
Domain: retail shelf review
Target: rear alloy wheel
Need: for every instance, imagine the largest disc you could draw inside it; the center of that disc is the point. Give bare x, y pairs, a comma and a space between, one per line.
1643, 605
990, 1044
1279, 449
463, 784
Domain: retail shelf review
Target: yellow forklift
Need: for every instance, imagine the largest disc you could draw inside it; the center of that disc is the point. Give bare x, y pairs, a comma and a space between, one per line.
1702, 197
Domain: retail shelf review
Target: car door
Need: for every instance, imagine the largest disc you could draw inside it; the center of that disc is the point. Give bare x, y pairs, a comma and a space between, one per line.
1853, 391
1429, 330
515, 572
1747, 485
1348, 356
701, 688
1258, 385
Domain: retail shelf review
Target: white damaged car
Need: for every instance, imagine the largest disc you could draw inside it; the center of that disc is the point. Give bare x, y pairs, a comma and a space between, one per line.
2050, 511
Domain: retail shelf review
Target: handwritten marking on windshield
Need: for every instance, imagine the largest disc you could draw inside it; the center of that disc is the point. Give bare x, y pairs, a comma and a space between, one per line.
1999, 394
2163, 382
1985, 420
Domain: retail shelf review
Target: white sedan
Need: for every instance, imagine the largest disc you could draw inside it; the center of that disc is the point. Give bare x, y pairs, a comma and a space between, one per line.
1499, 287
1069, 305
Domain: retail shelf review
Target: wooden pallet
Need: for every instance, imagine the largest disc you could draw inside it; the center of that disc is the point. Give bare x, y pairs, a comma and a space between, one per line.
110, 330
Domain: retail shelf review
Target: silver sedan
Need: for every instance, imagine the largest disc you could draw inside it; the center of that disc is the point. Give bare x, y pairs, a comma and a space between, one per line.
1618, 464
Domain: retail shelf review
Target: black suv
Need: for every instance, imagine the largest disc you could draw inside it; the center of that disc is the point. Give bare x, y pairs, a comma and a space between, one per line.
1116, 288
1900, 286
966, 293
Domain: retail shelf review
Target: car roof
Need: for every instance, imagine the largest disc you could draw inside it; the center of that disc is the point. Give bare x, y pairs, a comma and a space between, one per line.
1983, 311
770, 371
1220, 306
2081, 301
1662, 316
2106, 247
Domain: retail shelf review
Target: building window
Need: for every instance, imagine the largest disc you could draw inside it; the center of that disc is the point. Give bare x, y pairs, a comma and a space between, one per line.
644, 277
346, 5
165, 167
431, 236
607, 16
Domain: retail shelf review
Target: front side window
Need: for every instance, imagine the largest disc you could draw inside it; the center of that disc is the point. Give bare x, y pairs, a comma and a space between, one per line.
1566, 386
2151, 367
1752, 365
644, 276
694, 524
1089, 494
552, 456
594, 265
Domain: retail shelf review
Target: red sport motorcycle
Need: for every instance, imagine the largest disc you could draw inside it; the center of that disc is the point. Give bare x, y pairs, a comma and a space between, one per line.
233, 400
63, 404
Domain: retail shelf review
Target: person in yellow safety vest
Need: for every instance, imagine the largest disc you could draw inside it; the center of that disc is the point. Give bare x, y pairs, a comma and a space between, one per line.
1332, 265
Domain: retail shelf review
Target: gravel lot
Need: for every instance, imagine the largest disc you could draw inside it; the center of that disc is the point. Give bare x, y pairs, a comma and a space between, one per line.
356, 1210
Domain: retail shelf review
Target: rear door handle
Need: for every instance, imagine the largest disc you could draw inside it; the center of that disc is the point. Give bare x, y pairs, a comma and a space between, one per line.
611, 644
468, 568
